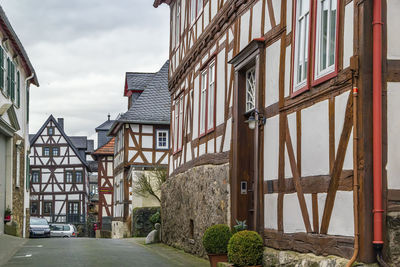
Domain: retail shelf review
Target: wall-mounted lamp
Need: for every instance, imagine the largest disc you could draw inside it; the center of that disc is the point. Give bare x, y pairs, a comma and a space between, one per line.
255, 117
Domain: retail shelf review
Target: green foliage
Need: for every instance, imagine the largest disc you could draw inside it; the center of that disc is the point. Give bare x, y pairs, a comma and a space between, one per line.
155, 218
149, 183
245, 248
11, 228
7, 212
141, 224
240, 226
216, 238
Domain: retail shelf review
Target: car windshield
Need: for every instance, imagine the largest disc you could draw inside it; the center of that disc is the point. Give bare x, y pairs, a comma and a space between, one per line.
38, 221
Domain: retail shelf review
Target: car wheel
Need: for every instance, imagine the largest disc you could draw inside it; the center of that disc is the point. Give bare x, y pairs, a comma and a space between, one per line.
66, 236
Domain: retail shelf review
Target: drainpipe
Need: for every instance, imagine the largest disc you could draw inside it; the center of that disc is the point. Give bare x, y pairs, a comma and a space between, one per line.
377, 128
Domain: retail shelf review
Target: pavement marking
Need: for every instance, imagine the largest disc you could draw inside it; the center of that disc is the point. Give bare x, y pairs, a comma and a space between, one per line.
37, 246
24, 256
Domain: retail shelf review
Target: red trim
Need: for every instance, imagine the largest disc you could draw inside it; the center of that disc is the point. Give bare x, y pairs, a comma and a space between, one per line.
126, 88
334, 73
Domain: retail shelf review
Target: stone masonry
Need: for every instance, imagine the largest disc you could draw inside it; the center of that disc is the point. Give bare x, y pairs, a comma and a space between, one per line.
191, 202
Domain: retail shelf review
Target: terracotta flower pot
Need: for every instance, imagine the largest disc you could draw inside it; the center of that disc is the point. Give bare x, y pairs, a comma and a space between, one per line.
7, 218
215, 258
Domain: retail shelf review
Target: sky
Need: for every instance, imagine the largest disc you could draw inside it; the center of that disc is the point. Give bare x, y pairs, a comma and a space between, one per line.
81, 50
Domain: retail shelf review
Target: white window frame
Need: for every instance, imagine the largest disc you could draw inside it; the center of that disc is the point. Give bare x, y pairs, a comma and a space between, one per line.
203, 101
301, 42
211, 97
176, 125
158, 132
251, 91
181, 117
329, 69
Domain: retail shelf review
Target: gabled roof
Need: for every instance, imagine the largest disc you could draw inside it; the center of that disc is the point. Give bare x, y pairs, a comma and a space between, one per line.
8, 31
153, 105
8, 119
106, 149
70, 143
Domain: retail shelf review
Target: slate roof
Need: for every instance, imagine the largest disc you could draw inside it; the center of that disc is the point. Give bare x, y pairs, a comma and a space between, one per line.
79, 142
107, 149
105, 126
93, 166
138, 80
10, 33
153, 105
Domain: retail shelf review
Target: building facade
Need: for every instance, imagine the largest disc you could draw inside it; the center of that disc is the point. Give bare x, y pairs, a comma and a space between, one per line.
271, 109
59, 171
141, 142
16, 76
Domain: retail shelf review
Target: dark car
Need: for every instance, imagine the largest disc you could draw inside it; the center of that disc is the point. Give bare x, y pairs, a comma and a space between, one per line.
39, 227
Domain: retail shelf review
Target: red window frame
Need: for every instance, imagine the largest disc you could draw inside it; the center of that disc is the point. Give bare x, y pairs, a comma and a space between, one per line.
180, 131
310, 79
206, 69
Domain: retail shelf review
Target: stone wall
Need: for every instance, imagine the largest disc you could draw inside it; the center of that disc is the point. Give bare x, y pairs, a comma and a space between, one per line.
141, 224
18, 192
393, 237
120, 229
191, 202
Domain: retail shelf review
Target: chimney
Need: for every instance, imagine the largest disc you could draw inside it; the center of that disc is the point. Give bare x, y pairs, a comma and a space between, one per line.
61, 122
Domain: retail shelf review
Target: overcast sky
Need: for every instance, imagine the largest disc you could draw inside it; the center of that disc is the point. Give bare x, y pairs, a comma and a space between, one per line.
81, 50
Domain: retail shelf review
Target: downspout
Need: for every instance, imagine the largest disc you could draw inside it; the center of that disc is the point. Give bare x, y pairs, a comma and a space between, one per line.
26, 119
377, 25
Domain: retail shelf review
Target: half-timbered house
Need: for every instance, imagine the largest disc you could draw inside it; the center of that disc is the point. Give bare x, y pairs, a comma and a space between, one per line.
141, 142
59, 174
16, 76
276, 119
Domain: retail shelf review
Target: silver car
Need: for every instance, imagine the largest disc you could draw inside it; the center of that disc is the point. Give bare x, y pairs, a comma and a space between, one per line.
63, 230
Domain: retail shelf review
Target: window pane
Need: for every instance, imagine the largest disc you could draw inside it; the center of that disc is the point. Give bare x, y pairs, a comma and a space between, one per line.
211, 90
250, 89
203, 102
332, 31
302, 34
193, 9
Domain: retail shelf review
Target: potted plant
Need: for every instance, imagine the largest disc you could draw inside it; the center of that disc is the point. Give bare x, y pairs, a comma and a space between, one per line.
245, 248
7, 214
215, 242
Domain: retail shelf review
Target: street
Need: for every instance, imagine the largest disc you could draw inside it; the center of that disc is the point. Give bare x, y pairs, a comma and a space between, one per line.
99, 252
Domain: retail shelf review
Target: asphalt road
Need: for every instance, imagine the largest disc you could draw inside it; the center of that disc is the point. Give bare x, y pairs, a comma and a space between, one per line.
98, 252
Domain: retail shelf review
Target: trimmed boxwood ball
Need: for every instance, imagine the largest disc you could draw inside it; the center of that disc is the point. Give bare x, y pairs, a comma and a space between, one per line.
245, 249
216, 238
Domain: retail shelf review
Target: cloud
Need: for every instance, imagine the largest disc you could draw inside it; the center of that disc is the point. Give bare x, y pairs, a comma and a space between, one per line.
81, 50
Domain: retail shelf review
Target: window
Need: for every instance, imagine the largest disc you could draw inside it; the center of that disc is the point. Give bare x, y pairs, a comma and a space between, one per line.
301, 44
18, 89
50, 131
326, 37
11, 79
46, 151
250, 89
196, 6
47, 207
35, 177
178, 123
207, 100
2, 69
78, 177
34, 208
178, 22
162, 139
56, 151
68, 176
324, 46
121, 191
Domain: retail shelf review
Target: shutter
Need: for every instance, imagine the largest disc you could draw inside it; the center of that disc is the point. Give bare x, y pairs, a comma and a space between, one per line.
8, 77
27, 165
2, 69
18, 89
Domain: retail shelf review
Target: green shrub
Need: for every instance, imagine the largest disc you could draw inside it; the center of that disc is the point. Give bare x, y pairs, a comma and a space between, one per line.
155, 218
141, 224
245, 248
216, 238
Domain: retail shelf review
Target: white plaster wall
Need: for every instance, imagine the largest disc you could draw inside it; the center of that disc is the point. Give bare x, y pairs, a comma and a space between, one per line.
214, 8
315, 139
272, 55
267, 21
342, 219
271, 211
202, 149
244, 29
256, 23
292, 218
135, 128
393, 133
293, 134
221, 87
289, 9
147, 141
393, 25
277, 10
340, 110
348, 34
73, 197
271, 148
206, 14
148, 155
218, 143
210, 146
228, 134
109, 169
188, 152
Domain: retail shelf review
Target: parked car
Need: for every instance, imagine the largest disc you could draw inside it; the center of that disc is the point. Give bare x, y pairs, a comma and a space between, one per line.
38, 227
63, 230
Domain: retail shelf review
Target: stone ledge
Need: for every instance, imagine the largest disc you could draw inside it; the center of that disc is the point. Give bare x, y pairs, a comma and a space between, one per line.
273, 257
224, 264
